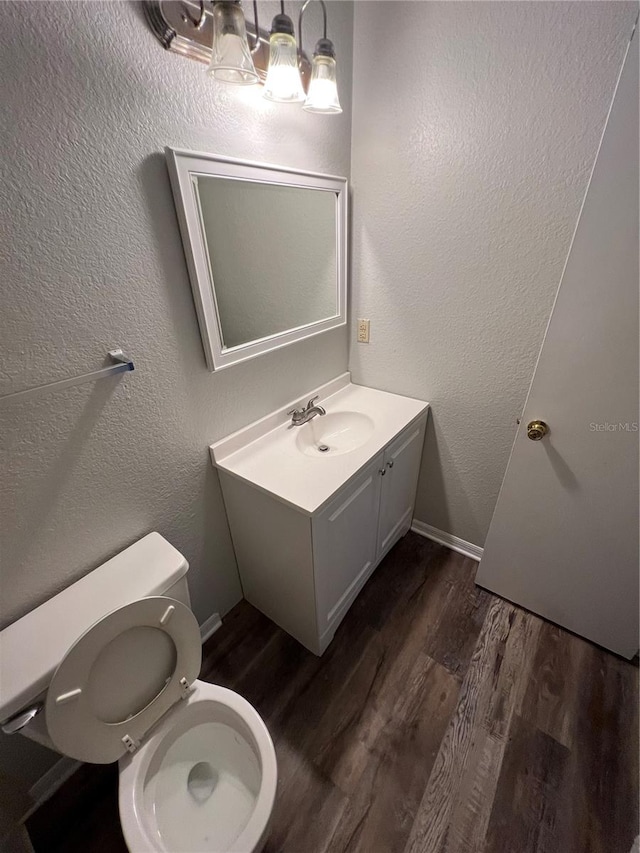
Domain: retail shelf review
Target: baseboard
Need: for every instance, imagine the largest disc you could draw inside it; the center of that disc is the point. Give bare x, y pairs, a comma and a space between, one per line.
49, 782
16, 841
447, 539
210, 626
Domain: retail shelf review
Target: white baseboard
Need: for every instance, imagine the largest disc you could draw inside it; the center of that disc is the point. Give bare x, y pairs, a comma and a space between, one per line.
16, 841
447, 539
49, 782
210, 626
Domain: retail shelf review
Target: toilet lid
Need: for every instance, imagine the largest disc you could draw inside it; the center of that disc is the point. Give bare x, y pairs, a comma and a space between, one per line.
120, 677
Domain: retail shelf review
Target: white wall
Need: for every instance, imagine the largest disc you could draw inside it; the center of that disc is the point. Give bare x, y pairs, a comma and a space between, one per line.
475, 128
92, 259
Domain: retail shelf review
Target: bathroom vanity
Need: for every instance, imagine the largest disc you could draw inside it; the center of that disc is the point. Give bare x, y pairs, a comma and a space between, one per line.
314, 508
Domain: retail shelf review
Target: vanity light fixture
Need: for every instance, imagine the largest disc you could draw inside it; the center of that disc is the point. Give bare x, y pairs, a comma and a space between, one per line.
237, 51
283, 83
231, 59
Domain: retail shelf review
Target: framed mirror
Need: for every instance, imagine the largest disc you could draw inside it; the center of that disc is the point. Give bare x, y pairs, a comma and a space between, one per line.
266, 249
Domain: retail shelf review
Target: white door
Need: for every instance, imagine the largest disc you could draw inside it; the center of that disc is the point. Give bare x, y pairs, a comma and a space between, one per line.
399, 482
563, 541
344, 543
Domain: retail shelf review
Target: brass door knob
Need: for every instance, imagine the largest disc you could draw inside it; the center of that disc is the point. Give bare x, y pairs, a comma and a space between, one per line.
537, 430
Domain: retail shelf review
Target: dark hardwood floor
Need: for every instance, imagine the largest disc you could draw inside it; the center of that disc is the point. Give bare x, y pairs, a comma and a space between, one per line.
440, 720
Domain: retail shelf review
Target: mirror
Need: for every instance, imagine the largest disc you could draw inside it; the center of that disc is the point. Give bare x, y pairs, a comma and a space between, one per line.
266, 251
269, 289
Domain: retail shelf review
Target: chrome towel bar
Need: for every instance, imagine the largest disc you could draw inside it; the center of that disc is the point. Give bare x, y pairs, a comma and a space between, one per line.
121, 364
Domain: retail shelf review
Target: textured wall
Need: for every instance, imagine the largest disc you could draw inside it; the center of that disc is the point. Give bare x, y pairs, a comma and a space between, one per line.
469, 164
92, 259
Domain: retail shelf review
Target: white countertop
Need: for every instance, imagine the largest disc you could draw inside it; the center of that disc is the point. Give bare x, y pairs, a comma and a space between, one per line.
265, 453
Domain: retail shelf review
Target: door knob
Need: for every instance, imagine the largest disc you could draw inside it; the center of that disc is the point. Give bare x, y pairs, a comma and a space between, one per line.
537, 430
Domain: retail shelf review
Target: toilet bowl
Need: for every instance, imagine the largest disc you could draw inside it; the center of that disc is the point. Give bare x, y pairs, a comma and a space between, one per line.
203, 781
197, 766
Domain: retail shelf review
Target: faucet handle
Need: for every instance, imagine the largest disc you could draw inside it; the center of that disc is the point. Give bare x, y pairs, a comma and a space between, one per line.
294, 412
312, 401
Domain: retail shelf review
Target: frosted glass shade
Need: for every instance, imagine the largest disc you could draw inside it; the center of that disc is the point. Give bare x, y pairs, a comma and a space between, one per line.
322, 96
231, 59
283, 83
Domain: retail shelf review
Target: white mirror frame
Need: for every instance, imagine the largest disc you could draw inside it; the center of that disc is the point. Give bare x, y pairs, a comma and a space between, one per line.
182, 166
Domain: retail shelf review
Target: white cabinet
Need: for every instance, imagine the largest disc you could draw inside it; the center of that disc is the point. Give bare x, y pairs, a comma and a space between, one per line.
304, 571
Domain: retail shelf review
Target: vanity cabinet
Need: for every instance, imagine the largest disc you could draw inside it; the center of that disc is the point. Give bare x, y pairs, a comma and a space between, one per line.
304, 570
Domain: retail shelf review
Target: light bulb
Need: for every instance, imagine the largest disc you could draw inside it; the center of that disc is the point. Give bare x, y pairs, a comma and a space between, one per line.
283, 83
322, 96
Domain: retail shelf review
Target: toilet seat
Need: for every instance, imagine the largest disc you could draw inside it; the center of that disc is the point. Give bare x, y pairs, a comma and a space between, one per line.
120, 677
127, 689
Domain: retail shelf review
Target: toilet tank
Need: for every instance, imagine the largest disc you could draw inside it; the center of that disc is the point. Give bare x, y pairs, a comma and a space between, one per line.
32, 647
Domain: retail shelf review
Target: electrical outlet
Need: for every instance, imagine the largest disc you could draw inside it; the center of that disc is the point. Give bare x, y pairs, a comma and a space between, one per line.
363, 331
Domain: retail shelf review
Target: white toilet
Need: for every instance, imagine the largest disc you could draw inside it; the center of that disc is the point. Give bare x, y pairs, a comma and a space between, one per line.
107, 670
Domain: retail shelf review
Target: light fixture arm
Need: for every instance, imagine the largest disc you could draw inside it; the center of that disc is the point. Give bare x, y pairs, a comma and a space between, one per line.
302, 11
187, 16
198, 23
256, 46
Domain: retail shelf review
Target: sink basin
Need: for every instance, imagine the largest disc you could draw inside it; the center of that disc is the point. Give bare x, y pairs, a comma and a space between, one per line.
286, 461
334, 434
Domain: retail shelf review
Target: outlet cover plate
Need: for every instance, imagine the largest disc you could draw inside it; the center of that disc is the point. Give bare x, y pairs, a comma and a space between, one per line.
363, 331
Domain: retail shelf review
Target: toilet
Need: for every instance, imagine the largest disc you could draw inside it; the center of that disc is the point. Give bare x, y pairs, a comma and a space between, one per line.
107, 671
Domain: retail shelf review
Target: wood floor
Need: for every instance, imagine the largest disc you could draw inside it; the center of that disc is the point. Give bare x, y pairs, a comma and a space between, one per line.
440, 720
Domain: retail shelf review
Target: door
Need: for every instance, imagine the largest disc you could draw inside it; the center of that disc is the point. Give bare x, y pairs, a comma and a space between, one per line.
344, 543
399, 482
563, 541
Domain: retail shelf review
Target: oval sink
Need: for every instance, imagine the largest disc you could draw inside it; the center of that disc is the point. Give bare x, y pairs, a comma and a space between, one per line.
333, 434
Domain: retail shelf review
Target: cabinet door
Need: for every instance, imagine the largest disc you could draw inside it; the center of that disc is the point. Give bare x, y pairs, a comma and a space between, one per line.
344, 544
399, 483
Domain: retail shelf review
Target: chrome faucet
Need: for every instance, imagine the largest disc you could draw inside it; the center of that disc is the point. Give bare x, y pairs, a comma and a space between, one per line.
301, 416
